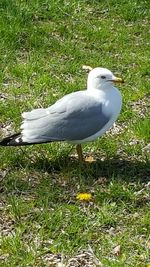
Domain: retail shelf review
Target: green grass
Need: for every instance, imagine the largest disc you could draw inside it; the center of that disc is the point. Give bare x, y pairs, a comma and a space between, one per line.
43, 47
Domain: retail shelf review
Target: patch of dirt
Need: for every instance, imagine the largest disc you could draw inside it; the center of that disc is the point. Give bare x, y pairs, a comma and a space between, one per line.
3, 174
117, 129
6, 223
141, 106
3, 96
6, 129
84, 258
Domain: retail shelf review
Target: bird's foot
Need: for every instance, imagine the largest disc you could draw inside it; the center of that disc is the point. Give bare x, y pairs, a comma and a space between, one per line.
90, 159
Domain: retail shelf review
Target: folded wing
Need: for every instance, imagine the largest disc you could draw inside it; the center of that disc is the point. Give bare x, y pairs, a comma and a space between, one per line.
74, 117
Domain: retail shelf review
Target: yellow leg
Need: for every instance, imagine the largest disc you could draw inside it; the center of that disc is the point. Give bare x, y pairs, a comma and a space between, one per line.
79, 152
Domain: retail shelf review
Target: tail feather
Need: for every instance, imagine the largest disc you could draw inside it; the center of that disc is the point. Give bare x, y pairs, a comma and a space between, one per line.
13, 140
16, 140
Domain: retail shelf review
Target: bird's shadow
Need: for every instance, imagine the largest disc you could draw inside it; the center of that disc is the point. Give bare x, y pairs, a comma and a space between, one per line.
125, 169
69, 172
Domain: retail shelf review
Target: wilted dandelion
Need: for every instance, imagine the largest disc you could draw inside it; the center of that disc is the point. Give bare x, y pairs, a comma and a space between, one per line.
84, 196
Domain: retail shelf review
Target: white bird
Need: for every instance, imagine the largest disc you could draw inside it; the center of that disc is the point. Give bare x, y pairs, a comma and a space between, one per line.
76, 118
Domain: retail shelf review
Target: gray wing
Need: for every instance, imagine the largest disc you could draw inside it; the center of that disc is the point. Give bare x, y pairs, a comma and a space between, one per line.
74, 117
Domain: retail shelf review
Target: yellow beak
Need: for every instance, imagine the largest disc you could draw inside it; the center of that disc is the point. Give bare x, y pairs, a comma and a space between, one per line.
118, 80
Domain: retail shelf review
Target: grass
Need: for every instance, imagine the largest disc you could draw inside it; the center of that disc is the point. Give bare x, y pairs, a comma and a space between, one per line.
43, 47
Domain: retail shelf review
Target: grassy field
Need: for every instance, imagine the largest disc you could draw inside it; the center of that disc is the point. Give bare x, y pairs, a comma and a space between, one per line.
43, 46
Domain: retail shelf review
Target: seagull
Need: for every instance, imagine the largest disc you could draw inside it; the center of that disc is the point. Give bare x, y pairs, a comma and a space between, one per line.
76, 118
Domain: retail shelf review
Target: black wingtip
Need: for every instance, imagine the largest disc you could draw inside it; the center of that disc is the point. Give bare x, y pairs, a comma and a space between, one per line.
12, 140
16, 140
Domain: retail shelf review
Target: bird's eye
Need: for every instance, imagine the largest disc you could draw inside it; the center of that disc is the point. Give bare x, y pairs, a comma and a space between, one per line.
103, 77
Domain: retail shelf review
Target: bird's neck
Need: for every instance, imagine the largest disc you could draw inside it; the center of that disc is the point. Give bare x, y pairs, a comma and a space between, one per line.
96, 85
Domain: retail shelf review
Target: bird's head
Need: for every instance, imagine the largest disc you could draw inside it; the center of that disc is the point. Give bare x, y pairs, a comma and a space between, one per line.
101, 78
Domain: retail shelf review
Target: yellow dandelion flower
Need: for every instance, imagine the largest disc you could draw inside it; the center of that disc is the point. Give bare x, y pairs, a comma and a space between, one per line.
148, 265
84, 196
